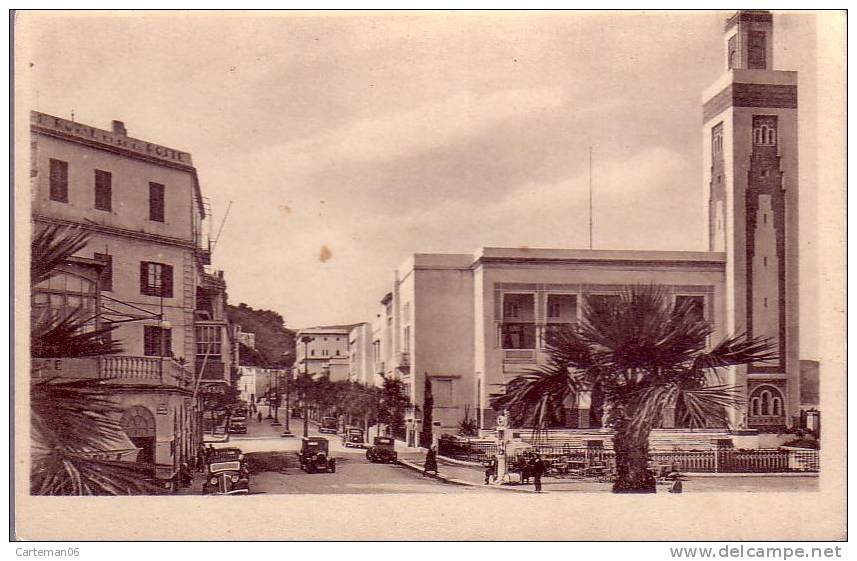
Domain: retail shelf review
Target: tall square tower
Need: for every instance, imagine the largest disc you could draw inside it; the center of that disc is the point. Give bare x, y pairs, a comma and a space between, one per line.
750, 150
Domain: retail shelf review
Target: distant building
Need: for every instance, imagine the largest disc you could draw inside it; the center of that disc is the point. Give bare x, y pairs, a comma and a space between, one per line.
361, 359
143, 271
325, 351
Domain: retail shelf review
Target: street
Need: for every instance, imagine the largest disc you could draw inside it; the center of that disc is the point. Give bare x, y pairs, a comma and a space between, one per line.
274, 466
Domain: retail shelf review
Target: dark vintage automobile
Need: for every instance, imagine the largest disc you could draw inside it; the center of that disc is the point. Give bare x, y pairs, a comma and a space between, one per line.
225, 473
353, 437
328, 425
382, 450
314, 455
238, 426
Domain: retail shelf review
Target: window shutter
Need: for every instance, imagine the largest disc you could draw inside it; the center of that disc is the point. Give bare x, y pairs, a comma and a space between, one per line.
168, 342
144, 286
168, 281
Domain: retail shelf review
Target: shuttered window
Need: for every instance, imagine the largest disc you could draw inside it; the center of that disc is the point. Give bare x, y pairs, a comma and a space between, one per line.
157, 341
59, 181
156, 202
156, 279
107, 272
103, 190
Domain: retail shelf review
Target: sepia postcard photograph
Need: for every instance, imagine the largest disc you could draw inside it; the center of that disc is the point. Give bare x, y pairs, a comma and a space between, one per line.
429, 275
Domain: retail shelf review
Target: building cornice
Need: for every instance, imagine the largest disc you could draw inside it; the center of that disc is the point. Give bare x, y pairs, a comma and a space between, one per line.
650, 264
113, 230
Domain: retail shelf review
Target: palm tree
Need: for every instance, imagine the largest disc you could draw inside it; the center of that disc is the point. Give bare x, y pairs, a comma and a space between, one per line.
644, 355
73, 420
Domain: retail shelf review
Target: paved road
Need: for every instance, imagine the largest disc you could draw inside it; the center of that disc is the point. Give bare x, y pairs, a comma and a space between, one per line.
264, 447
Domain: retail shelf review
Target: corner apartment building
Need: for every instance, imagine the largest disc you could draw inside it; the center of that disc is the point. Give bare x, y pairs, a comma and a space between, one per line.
142, 205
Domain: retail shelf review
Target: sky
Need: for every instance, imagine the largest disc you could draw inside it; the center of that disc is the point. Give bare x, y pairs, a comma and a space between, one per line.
347, 141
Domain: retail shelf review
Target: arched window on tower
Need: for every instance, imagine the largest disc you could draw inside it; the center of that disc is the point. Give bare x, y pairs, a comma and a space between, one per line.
765, 130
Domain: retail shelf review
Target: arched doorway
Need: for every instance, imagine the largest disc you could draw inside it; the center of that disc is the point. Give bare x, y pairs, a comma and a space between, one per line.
139, 424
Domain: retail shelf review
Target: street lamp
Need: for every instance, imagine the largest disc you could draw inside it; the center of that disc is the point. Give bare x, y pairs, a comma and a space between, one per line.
287, 432
306, 340
276, 402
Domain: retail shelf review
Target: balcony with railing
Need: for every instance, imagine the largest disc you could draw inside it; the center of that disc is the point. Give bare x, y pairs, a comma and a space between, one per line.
118, 369
404, 365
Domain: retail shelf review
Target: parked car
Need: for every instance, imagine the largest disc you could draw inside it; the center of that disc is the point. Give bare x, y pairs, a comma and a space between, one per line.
383, 450
353, 437
314, 455
328, 425
225, 473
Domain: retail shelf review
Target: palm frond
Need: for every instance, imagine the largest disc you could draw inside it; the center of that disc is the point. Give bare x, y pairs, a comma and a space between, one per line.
51, 247
74, 415
709, 404
65, 336
536, 396
736, 350
63, 473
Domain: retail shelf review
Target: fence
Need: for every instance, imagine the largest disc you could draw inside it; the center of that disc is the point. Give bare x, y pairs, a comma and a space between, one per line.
695, 461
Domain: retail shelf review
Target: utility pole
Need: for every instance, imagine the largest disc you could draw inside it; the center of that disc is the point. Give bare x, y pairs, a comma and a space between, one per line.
590, 197
306, 339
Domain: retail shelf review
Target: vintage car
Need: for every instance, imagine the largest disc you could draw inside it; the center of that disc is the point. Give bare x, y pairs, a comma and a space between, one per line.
237, 426
314, 455
353, 437
225, 473
382, 450
328, 425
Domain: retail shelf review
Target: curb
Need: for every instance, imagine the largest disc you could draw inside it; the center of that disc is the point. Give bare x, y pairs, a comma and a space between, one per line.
742, 474
454, 481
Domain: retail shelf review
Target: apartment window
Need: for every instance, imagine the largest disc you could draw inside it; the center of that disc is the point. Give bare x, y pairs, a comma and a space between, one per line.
376, 350
732, 48
406, 312
65, 294
693, 305
406, 339
209, 340
156, 202
59, 181
157, 341
156, 279
107, 272
103, 190
337, 352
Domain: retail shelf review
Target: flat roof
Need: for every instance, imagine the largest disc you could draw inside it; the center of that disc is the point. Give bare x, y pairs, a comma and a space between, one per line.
607, 255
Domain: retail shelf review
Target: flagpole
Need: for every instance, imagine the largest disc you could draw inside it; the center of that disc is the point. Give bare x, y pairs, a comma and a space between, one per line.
590, 197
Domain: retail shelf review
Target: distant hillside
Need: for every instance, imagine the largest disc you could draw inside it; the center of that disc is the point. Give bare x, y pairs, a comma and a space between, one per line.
272, 337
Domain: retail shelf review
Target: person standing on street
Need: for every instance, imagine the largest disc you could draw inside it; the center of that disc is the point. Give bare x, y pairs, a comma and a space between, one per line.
491, 469
259, 416
431, 462
538, 469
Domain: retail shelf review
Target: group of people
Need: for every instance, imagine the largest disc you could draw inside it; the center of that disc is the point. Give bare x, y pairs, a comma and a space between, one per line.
530, 465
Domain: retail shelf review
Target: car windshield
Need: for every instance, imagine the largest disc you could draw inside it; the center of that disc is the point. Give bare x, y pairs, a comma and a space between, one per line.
224, 466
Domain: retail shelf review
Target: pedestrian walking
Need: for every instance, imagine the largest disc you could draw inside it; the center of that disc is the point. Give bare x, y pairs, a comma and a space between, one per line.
526, 468
431, 462
538, 469
491, 469
259, 416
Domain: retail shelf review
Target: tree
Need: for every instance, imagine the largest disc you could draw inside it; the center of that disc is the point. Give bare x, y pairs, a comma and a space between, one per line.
645, 355
393, 401
273, 339
428, 407
73, 420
